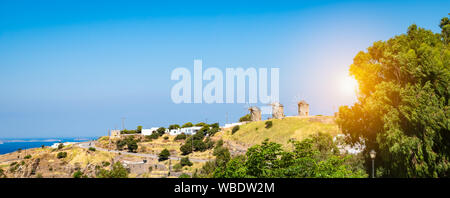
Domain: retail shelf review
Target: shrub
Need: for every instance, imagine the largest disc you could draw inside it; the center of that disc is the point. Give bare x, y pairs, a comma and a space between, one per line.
153, 136
166, 137
120, 144
2, 173
61, 155
92, 149
186, 148
164, 155
125, 131
213, 131
77, 174
180, 137
185, 161
177, 167
105, 164
161, 131
268, 124
235, 129
27, 157
174, 126
117, 171
209, 143
184, 175
132, 146
202, 124
187, 124
60, 146
199, 145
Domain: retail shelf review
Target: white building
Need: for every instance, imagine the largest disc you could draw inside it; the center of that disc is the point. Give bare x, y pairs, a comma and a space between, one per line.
55, 145
233, 124
187, 130
149, 131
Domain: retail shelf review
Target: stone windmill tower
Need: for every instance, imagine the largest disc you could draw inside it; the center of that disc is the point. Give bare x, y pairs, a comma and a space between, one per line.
303, 108
277, 110
255, 113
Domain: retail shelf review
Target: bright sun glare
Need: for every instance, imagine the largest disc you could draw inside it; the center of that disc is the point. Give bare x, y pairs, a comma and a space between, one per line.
349, 86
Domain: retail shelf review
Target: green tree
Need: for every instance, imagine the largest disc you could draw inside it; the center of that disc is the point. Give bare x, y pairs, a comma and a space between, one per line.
199, 145
61, 155
186, 148
202, 124
245, 118
139, 129
174, 126
185, 161
187, 124
181, 136
310, 158
403, 104
161, 131
164, 155
132, 146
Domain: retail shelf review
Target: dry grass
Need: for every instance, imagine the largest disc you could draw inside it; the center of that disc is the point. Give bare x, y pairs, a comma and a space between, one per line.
282, 130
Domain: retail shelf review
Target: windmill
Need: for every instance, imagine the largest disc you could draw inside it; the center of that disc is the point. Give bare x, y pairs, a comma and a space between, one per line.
293, 106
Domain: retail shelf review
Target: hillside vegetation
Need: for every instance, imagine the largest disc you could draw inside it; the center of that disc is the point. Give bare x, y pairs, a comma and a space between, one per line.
281, 130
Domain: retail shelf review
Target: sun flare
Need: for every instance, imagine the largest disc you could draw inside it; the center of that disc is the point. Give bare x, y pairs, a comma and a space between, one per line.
349, 86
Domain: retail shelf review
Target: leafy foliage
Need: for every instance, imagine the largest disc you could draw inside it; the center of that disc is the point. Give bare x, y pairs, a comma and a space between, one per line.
235, 129
174, 126
185, 161
164, 155
61, 155
314, 157
245, 118
77, 174
268, 124
187, 124
181, 136
117, 171
184, 175
403, 105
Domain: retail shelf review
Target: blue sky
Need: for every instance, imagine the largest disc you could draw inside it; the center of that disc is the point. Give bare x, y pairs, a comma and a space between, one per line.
74, 68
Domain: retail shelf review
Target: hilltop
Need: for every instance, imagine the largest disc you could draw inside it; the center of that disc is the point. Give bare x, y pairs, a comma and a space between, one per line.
281, 132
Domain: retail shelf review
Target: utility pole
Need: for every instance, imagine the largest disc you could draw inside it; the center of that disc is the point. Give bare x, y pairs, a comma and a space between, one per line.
123, 123
226, 118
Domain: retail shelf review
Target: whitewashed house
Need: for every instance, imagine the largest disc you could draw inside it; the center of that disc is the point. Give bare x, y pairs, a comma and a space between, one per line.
233, 124
187, 130
149, 131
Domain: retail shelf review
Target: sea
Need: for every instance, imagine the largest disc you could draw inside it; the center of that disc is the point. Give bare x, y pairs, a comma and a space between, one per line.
11, 145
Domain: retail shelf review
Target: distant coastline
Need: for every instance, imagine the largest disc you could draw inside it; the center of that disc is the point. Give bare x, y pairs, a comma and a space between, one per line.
32, 140
13, 144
